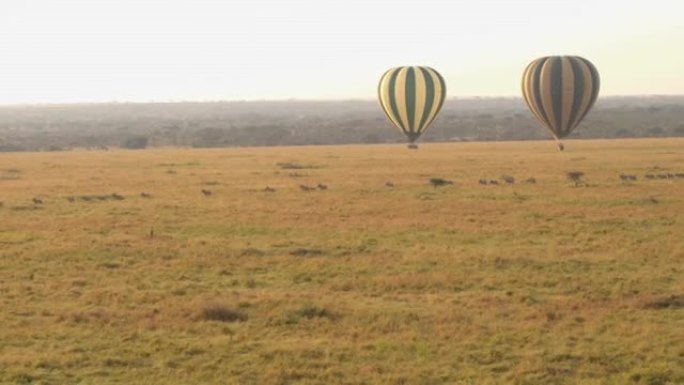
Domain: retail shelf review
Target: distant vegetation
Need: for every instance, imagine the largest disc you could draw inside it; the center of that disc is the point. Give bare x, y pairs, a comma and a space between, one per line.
230, 124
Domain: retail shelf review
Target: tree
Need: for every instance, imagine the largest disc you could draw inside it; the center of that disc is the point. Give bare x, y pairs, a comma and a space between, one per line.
576, 177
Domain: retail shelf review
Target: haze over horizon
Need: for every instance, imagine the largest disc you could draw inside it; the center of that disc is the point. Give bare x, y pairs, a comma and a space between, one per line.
79, 51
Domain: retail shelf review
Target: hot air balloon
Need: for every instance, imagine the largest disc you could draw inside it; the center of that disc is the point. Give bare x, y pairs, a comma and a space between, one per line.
560, 90
411, 97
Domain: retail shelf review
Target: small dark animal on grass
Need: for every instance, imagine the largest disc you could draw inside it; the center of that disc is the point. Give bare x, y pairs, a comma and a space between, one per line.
304, 187
576, 176
38, 201
389, 184
482, 181
206, 192
71, 199
508, 179
145, 195
269, 189
117, 197
437, 182
626, 177
531, 180
322, 186
492, 181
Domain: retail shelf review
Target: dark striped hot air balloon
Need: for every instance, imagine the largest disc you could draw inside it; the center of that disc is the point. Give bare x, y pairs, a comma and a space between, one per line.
560, 90
412, 97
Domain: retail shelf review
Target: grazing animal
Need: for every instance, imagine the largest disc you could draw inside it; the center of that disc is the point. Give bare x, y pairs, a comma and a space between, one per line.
38, 201
628, 177
650, 176
151, 232
117, 197
206, 192
437, 182
71, 199
306, 188
508, 179
389, 184
482, 181
322, 186
145, 195
492, 181
680, 175
269, 189
531, 180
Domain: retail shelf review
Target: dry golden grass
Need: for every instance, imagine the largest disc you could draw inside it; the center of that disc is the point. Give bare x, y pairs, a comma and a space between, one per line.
360, 283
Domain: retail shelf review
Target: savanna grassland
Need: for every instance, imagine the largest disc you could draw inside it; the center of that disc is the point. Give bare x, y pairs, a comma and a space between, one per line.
380, 278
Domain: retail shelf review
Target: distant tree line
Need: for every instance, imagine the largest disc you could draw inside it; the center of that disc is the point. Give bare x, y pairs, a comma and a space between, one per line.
229, 124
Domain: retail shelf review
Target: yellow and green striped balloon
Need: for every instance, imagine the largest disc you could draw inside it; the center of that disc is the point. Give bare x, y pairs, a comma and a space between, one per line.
560, 91
411, 97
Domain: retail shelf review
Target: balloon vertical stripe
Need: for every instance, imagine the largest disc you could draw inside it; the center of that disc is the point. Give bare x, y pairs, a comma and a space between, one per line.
440, 87
429, 98
567, 92
421, 94
411, 98
400, 98
387, 97
592, 86
550, 84
579, 76
560, 91
531, 95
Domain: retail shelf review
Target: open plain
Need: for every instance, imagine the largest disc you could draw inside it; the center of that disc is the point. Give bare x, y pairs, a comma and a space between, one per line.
345, 265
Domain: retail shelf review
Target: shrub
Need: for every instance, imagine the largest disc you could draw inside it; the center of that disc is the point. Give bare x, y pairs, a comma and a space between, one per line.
222, 313
576, 177
436, 182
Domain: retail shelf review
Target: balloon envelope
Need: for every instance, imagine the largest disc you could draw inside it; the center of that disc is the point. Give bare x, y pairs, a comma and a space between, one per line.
560, 91
411, 97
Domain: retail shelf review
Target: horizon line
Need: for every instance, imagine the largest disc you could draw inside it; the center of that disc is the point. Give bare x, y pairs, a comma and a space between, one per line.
302, 100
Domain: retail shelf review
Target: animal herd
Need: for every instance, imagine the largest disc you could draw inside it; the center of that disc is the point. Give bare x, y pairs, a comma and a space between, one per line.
435, 182
665, 176
320, 186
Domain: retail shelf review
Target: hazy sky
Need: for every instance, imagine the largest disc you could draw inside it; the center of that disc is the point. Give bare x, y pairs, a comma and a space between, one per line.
172, 50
